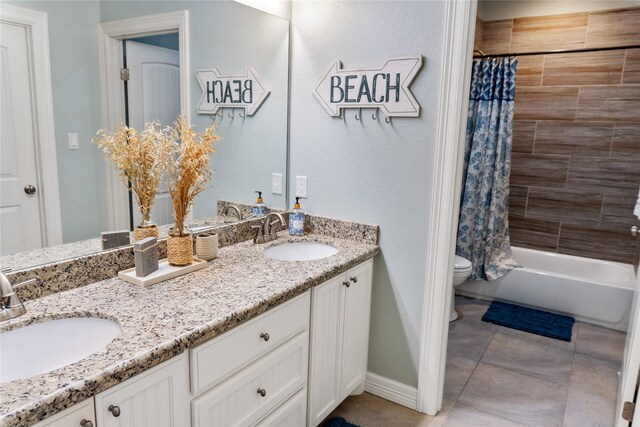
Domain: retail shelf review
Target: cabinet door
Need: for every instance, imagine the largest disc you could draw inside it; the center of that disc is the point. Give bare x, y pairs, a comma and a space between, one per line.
79, 415
326, 348
158, 397
357, 304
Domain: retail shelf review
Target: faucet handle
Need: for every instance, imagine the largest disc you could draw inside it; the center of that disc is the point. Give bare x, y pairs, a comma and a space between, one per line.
258, 237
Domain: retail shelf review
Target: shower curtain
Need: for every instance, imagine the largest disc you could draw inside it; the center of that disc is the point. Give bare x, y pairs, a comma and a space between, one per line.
483, 229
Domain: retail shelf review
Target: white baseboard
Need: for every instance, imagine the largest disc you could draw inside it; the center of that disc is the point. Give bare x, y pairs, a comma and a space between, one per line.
394, 391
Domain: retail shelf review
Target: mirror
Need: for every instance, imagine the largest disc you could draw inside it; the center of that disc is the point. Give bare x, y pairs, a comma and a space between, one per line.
225, 35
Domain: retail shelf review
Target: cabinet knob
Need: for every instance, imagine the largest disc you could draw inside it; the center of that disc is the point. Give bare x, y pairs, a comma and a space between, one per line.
347, 284
115, 411
354, 279
262, 392
86, 423
264, 336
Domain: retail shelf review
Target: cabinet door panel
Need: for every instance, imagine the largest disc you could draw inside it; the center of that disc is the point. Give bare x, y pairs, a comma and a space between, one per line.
158, 397
326, 348
292, 413
357, 305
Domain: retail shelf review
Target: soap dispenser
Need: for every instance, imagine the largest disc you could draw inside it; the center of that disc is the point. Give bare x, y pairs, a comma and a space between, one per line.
296, 220
259, 209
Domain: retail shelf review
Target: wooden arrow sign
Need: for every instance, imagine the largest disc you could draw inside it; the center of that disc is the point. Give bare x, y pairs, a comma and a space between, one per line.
248, 91
386, 88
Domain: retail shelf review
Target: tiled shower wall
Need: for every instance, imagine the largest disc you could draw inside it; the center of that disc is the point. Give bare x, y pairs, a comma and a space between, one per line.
576, 139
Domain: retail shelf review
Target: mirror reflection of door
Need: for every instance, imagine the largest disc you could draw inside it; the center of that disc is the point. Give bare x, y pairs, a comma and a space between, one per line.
153, 96
20, 201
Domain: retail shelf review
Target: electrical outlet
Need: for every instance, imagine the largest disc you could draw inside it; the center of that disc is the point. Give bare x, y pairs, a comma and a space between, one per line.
276, 183
74, 141
301, 186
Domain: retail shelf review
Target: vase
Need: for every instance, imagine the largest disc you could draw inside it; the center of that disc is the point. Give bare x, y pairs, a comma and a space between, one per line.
180, 249
144, 230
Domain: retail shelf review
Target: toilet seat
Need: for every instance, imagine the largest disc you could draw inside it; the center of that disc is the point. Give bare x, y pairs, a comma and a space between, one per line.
461, 265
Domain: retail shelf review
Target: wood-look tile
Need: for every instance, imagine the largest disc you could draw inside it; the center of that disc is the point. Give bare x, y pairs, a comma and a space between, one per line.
530, 358
610, 103
614, 28
613, 176
595, 375
546, 103
566, 206
524, 399
496, 36
477, 40
588, 68
457, 372
631, 67
538, 33
534, 234
601, 342
574, 138
591, 242
587, 409
626, 140
524, 133
529, 71
517, 200
617, 211
542, 170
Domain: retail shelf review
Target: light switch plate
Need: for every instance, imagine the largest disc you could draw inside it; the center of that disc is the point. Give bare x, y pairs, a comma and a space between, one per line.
301, 186
276, 183
74, 141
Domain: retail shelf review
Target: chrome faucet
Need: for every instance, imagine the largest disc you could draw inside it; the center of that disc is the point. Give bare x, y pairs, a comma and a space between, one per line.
266, 232
10, 304
232, 208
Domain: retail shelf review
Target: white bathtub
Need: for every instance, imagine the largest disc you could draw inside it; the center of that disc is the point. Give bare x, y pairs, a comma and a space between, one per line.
591, 290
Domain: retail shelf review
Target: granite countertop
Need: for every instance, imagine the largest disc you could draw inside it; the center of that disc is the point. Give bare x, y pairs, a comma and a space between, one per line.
165, 319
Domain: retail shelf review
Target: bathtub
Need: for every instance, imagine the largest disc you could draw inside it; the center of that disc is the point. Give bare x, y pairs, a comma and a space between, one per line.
593, 291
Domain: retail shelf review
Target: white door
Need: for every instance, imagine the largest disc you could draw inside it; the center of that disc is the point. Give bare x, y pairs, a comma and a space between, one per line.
20, 212
631, 366
154, 96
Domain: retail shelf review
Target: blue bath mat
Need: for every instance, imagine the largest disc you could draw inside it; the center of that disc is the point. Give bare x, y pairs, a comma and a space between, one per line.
530, 320
338, 422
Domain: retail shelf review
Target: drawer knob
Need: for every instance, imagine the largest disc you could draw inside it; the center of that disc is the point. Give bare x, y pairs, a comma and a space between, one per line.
262, 392
264, 336
115, 411
354, 279
86, 423
347, 284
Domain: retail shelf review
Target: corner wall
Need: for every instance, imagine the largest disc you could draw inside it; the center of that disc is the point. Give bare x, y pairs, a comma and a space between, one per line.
368, 170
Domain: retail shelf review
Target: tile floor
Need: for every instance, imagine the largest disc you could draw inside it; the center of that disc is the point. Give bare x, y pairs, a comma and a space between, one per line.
497, 376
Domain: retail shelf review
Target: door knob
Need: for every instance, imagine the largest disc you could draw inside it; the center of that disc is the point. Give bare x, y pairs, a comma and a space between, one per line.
634, 230
30, 189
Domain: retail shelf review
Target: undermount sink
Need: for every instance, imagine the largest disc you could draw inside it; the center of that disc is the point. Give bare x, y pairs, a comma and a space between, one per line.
300, 251
43, 347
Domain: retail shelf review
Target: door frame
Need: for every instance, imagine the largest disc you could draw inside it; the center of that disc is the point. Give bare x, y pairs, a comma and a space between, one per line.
110, 36
45, 144
457, 52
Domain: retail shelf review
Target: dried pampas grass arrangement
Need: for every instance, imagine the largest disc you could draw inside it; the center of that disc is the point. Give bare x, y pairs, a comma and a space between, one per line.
139, 159
186, 166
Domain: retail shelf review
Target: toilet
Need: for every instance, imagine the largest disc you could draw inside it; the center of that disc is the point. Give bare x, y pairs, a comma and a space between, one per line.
461, 271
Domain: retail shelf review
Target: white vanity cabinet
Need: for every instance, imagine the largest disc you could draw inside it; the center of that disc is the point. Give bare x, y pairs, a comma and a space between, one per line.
339, 340
256, 373
157, 397
80, 415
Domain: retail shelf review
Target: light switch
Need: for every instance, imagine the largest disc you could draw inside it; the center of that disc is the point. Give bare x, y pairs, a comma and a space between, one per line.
301, 186
74, 141
276, 183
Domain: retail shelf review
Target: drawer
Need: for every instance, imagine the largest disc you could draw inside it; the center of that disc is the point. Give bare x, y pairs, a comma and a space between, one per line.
238, 402
219, 358
73, 416
291, 414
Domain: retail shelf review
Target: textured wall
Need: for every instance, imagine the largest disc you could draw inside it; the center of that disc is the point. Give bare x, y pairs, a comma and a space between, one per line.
576, 144
368, 170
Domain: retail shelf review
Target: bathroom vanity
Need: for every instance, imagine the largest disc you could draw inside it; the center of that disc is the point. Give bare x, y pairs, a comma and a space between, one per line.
247, 341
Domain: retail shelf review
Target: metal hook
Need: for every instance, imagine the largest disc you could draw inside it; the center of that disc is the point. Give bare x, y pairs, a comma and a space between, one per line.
373, 116
220, 113
231, 114
242, 114
387, 119
359, 114
341, 114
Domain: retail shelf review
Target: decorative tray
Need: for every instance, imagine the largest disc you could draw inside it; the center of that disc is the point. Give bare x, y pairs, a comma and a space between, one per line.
164, 272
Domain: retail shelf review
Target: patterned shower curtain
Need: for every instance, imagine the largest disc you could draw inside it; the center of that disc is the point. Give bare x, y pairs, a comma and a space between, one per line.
483, 229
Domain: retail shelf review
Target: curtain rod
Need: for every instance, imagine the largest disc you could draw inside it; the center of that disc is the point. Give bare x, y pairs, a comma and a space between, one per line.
553, 52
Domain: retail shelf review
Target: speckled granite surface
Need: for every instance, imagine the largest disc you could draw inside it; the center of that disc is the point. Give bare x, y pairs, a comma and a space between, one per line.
163, 320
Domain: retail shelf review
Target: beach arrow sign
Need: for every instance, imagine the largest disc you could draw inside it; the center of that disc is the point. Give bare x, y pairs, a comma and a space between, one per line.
244, 91
386, 88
